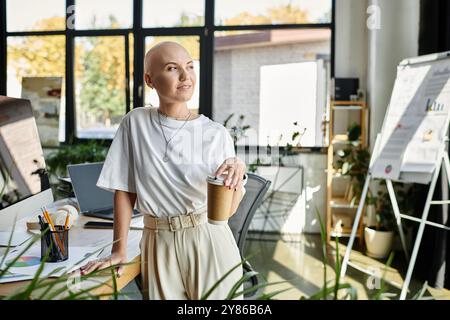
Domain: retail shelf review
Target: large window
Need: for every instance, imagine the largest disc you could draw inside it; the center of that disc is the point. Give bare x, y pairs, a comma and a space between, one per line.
99, 85
174, 13
275, 12
267, 60
37, 57
276, 80
46, 15
103, 14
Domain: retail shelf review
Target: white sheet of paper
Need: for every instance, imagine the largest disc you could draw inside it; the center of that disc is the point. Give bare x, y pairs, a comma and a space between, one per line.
30, 261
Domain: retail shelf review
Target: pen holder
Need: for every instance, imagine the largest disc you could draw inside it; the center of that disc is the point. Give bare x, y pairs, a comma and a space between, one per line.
55, 244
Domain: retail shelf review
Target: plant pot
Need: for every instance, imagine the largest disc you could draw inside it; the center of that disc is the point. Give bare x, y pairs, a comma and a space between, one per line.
378, 243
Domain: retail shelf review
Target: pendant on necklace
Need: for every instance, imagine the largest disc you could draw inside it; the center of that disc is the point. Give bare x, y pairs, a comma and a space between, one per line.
166, 158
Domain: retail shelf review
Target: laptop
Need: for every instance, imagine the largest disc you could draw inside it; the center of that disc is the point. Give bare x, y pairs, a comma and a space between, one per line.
92, 200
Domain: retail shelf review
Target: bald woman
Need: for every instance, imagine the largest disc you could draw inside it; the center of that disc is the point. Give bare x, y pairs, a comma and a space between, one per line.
158, 163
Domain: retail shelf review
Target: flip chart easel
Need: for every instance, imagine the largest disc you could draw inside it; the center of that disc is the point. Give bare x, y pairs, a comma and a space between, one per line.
441, 162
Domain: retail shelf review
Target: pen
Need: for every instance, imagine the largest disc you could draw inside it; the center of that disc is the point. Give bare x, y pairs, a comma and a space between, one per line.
42, 224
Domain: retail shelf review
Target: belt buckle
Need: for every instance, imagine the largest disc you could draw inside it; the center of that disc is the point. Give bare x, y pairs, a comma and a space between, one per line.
171, 227
171, 224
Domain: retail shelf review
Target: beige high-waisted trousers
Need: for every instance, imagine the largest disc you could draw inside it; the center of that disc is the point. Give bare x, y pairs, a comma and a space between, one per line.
184, 258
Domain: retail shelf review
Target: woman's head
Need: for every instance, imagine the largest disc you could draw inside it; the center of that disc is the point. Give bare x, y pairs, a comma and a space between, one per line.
169, 69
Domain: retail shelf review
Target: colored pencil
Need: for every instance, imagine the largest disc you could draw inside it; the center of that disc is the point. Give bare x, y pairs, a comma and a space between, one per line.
66, 224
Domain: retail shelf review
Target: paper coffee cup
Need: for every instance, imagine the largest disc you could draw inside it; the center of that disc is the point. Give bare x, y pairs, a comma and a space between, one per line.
220, 199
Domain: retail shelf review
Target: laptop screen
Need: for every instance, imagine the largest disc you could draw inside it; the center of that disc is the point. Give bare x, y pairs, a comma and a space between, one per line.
84, 179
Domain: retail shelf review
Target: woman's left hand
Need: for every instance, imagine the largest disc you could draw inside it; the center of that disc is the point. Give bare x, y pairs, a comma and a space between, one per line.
235, 169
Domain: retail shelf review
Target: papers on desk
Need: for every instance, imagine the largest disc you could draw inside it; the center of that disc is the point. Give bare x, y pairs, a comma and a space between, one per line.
29, 263
18, 238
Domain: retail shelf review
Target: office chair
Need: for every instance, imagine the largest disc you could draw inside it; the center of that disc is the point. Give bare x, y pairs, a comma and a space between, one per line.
239, 223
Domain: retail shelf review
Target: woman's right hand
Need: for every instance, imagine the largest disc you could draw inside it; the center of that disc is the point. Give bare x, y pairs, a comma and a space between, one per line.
114, 259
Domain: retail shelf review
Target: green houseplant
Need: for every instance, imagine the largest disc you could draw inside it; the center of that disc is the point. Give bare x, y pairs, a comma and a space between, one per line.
91, 151
353, 161
237, 130
291, 148
354, 132
293, 145
379, 232
57, 161
409, 198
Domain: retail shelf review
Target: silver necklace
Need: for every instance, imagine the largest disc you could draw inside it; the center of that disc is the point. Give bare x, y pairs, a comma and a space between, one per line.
166, 157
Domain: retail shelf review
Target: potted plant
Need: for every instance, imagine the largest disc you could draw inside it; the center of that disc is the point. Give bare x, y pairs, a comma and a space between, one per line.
91, 151
237, 131
57, 161
379, 237
353, 132
353, 161
290, 151
287, 154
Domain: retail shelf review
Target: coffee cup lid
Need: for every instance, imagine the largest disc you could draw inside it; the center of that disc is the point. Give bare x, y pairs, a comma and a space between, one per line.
215, 180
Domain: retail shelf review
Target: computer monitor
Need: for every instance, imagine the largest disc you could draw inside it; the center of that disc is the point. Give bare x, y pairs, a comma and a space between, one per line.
24, 183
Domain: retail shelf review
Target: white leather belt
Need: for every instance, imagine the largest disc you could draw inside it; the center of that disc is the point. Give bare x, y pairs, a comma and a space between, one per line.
175, 223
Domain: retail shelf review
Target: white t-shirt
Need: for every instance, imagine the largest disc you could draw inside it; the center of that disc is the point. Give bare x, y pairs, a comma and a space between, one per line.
135, 161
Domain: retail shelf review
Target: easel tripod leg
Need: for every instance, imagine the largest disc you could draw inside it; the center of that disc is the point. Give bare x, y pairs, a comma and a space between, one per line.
355, 226
398, 219
420, 232
447, 167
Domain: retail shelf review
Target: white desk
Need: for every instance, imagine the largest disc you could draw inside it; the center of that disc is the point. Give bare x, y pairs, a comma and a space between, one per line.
80, 236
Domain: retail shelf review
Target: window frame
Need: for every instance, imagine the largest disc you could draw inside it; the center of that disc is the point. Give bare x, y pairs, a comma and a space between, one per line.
205, 33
